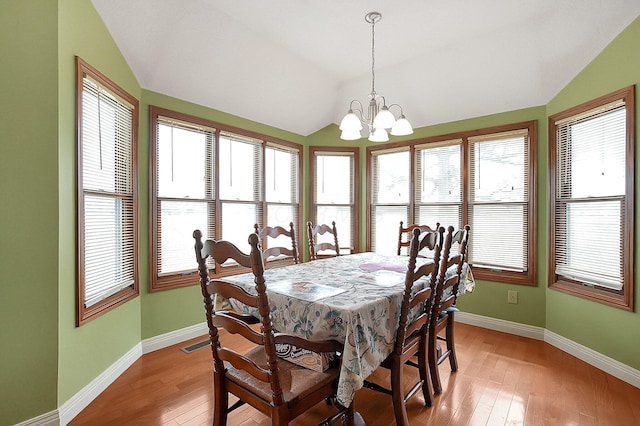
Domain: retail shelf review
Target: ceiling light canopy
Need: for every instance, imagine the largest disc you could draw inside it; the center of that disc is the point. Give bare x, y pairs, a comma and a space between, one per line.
378, 118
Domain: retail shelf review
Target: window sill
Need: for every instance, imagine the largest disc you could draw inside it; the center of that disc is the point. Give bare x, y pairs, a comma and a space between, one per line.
595, 294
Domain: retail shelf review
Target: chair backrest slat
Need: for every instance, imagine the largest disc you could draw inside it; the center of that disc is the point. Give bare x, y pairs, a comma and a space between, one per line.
234, 326
226, 291
242, 363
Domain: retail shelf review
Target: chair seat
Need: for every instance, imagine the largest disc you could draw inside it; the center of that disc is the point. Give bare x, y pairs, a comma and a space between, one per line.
446, 312
297, 382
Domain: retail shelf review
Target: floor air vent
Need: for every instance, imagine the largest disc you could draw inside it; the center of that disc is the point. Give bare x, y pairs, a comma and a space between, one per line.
195, 346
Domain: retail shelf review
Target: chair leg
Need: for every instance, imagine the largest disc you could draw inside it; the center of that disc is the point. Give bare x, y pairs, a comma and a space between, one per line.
433, 362
279, 416
220, 400
352, 417
451, 347
423, 367
398, 395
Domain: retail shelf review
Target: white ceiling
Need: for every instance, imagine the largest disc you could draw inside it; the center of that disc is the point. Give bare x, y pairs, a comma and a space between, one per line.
296, 64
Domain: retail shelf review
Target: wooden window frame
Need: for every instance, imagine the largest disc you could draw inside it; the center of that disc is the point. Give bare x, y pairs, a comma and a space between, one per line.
184, 279
623, 299
528, 277
85, 313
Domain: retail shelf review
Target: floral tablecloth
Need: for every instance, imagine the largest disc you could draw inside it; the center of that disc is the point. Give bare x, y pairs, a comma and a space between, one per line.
353, 299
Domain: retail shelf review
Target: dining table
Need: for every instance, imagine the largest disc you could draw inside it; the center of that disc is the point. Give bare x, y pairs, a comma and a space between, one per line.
354, 299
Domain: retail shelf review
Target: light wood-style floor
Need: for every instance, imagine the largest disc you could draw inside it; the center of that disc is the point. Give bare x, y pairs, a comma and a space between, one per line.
502, 380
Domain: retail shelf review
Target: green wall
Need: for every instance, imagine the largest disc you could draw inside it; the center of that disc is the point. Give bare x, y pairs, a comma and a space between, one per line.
28, 210
46, 359
84, 352
610, 331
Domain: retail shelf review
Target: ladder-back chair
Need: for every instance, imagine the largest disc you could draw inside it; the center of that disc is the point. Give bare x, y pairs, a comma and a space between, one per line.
278, 388
314, 231
269, 233
444, 308
411, 336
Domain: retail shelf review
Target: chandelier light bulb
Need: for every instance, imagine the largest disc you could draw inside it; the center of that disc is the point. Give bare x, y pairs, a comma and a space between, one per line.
350, 135
384, 119
402, 127
351, 123
379, 135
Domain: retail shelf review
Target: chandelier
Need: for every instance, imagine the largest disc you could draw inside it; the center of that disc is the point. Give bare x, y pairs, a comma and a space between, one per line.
378, 118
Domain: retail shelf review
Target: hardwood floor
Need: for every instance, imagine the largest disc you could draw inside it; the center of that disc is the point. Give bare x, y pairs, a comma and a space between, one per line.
502, 380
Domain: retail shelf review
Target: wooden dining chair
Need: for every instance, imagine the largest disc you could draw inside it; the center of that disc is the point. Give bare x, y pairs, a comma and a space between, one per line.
269, 233
405, 234
314, 231
444, 306
278, 388
411, 336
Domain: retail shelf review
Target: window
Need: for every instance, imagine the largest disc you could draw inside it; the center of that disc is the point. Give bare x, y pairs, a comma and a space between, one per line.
335, 193
498, 201
484, 178
220, 180
438, 183
240, 183
107, 119
282, 193
591, 157
183, 188
390, 204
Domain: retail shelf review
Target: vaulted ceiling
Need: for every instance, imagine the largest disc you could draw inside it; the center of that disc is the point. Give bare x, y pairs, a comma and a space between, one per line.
296, 64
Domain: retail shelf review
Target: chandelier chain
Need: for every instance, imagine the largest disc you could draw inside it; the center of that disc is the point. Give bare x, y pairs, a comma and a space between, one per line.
373, 57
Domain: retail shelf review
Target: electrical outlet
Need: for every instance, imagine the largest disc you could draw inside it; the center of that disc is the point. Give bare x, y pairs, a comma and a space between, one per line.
512, 297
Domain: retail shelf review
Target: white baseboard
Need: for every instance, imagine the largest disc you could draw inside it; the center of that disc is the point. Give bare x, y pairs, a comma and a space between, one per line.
174, 337
588, 355
47, 419
510, 327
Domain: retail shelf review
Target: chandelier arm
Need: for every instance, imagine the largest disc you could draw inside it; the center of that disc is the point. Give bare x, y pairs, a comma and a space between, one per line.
398, 105
356, 109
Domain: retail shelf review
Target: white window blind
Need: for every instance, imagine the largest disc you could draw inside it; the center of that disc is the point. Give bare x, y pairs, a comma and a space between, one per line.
499, 200
590, 196
108, 222
391, 184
